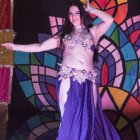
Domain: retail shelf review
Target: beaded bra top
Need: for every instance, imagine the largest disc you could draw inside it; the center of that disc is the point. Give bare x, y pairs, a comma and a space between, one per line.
79, 37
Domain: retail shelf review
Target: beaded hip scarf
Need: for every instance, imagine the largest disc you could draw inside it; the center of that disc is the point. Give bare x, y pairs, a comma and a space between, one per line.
79, 75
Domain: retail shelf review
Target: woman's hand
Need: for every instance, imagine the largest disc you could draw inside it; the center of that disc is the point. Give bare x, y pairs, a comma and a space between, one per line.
88, 7
9, 46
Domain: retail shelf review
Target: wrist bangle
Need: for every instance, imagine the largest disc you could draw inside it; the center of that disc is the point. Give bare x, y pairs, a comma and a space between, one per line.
91, 10
17, 47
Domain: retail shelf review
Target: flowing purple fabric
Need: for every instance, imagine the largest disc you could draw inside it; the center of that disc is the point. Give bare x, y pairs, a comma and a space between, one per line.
81, 120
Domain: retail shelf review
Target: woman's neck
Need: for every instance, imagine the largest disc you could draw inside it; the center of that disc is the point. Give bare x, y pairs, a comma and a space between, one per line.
79, 29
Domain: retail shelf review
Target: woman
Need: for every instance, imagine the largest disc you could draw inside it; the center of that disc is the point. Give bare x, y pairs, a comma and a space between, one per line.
79, 101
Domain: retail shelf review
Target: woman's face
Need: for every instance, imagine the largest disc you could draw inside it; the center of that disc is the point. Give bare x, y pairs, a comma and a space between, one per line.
74, 16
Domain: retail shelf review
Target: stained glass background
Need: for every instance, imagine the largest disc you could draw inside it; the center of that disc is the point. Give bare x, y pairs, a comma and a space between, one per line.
33, 112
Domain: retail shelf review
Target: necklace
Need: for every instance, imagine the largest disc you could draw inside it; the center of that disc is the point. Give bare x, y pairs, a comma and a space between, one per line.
78, 30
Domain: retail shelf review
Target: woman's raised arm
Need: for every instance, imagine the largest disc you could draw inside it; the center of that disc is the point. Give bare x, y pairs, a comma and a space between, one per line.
107, 20
49, 44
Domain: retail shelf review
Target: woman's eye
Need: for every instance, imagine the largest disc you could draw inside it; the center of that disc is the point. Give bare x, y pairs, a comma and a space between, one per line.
70, 14
78, 13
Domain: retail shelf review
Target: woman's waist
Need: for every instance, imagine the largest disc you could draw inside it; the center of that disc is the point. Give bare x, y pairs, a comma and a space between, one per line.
78, 58
79, 64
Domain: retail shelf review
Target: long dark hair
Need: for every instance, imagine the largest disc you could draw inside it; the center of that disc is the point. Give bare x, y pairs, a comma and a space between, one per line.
68, 26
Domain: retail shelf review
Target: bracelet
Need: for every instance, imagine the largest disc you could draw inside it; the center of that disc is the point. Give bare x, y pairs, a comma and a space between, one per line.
91, 10
17, 47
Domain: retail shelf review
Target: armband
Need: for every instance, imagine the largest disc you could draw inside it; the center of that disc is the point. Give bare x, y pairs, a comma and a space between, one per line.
17, 47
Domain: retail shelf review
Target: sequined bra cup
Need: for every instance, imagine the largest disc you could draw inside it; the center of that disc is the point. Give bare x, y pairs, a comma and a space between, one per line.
79, 37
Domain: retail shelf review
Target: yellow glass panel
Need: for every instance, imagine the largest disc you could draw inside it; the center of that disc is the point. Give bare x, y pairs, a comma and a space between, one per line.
118, 95
122, 1
6, 56
83, 1
121, 123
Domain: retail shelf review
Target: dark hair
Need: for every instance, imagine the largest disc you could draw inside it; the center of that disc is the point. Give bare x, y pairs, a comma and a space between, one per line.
68, 26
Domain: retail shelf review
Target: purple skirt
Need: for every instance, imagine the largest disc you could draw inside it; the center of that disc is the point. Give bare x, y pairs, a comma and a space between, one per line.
81, 119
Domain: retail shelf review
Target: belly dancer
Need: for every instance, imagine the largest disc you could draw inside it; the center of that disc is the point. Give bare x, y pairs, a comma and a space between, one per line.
79, 101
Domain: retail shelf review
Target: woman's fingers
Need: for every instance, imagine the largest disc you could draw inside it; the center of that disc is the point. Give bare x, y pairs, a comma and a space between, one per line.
87, 2
87, 5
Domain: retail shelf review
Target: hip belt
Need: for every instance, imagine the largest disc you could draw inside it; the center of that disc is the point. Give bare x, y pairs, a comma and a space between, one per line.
78, 75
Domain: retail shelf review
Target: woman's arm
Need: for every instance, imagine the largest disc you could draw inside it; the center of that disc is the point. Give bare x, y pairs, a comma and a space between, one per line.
101, 28
49, 44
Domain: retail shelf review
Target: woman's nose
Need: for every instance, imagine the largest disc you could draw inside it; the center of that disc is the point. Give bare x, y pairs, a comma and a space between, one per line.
74, 15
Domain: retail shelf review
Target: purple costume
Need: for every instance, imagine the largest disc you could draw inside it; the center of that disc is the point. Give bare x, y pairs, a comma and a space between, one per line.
82, 120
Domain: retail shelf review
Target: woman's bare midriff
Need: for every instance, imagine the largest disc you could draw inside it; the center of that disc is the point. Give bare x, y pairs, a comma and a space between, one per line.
78, 57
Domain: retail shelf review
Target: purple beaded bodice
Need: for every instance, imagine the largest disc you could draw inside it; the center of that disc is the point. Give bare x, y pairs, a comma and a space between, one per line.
79, 37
